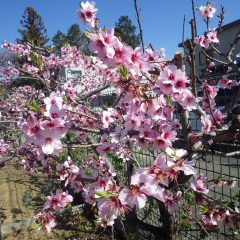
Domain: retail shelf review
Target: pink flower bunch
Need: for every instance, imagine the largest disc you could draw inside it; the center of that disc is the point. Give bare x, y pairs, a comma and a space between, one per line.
46, 133
8, 73
199, 185
113, 52
67, 171
208, 99
149, 93
20, 49
226, 83
205, 40
3, 147
70, 57
31, 69
46, 220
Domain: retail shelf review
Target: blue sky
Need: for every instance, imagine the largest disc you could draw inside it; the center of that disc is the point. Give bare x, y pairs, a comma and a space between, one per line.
161, 19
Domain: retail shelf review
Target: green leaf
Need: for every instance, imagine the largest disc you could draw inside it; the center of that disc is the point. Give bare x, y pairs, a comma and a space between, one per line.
36, 226
36, 61
104, 194
33, 105
168, 99
189, 197
123, 71
203, 209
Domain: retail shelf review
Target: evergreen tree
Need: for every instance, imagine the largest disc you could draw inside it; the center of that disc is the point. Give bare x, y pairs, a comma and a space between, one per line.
59, 39
33, 30
74, 35
76, 38
125, 30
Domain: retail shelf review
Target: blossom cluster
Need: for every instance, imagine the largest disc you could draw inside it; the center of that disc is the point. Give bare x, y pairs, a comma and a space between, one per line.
143, 116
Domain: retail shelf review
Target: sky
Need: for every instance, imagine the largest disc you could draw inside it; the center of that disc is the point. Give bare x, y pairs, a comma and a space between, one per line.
161, 19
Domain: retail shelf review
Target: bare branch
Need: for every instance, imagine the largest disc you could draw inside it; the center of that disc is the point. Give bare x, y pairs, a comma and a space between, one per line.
95, 92
199, 224
70, 145
84, 129
213, 59
139, 23
193, 58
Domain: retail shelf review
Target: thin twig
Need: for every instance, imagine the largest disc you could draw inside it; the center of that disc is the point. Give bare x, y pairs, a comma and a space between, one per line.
213, 59
194, 16
193, 58
84, 115
70, 145
199, 224
84, 129
139, 23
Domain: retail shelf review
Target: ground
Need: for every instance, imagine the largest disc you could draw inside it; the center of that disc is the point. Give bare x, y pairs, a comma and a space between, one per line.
21, 197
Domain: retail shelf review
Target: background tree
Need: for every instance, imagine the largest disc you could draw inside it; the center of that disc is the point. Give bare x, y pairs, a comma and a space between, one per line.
74, 37
125, 30
33, 30
59, 39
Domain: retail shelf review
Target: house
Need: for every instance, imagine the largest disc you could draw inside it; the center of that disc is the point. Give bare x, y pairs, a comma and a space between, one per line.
226, 37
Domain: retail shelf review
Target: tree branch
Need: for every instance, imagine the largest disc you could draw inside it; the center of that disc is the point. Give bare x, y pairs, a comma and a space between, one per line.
139, 23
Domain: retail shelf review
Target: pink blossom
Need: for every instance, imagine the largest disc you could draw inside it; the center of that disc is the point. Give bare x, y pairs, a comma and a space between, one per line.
3, 147
46, 220
58, 200
107, 117
199, 186
212, 36
207, 11
88, 13
102, 43
231, 183
122, 53
210, 91
207, 124
112, 208
67, 170
161, 143
226, 83
209, 220
50, 144
133, 196
187, 100
216, 118
53, 99
77, 186
202, 41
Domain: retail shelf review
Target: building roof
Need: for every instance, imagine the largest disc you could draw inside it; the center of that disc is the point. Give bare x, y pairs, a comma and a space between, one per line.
231, 24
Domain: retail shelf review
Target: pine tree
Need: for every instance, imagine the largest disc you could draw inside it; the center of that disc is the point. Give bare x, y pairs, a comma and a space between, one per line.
125, 30
59, 39
74, 35
33, 30
76, 38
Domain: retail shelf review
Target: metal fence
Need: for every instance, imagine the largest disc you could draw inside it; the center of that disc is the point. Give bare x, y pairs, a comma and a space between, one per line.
211, 165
